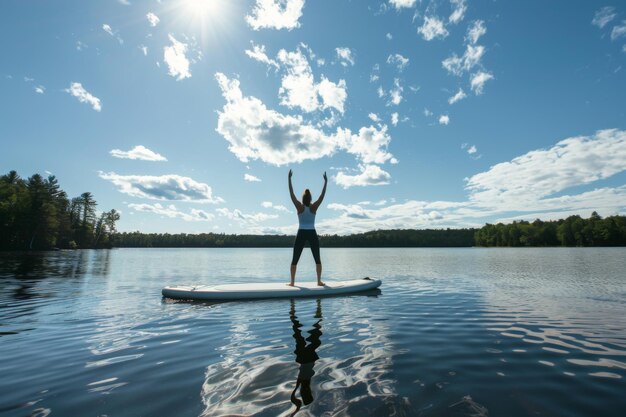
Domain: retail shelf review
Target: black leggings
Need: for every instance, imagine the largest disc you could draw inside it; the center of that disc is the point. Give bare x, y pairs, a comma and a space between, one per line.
302, 237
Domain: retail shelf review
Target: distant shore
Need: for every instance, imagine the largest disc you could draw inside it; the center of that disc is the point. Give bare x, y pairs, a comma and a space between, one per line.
571, 232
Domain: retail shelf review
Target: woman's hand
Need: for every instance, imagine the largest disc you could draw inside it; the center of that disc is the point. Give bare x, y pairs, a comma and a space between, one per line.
325, 177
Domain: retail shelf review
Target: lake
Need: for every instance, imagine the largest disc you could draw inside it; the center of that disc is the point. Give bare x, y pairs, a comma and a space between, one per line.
452, 332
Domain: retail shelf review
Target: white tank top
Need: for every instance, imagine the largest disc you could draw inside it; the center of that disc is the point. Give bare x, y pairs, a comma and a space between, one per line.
307, 219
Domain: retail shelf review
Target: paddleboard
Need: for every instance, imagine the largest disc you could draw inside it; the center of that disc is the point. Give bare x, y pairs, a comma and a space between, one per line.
269, 290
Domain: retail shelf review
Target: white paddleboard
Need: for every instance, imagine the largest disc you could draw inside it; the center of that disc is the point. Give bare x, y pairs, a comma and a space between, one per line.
269, 290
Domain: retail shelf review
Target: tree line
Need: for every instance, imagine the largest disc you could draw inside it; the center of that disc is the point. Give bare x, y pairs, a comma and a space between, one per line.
36, 214
379, 238
572, 231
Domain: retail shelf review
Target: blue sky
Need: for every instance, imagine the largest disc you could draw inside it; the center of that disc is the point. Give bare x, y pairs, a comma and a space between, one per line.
186, 115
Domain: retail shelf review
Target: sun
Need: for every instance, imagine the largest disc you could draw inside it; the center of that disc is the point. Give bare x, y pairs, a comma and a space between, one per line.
209, 20
201, 9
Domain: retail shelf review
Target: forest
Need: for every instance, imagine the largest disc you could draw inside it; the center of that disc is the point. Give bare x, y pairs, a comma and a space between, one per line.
36, 214
379, 238
572, 231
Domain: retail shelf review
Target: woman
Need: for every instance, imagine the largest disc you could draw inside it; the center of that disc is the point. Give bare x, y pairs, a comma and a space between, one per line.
306, 231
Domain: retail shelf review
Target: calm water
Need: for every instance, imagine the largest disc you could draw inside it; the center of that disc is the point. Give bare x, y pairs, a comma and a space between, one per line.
453, 332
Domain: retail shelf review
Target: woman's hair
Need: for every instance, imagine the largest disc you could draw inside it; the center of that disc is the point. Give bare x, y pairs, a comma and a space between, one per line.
306, 198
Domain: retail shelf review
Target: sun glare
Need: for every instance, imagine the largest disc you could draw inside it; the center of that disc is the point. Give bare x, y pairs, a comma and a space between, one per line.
201, 9
207, 19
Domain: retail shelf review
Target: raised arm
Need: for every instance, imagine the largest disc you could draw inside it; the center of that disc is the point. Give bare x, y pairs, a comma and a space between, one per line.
293, 196
319, 200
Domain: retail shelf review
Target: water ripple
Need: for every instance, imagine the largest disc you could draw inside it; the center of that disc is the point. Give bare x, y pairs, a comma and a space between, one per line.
454, 332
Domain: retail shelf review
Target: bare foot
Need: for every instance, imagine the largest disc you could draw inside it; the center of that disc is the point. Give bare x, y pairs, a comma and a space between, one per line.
289, 285
320, 284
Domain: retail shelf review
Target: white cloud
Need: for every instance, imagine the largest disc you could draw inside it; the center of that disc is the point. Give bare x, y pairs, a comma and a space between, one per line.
345, 56
529, 178
144, 49
369, 145
471, 150
153, 19
40, 89
454, 64
164, 187
80, 46
124, 2
251, 178
138, 152
380, 92
258, 53
299, 89
109, 30
298, 85
241, 217
256, 132
432, 28
475, 31
398, 60
333, 95
427, 112
374, 117
471, 58
478, 81
308, 50
370, 175
354, 211
395, 93
458, 13
411, 214
389, 36
375, 74
279, 207
460, 95
77, 90
399, 4
603, 16
177, 62
618, 31
469, 61
171, 211
444, 119
394, 119
275, 14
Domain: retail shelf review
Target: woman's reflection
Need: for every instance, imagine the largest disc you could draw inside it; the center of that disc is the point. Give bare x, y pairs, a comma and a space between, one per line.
305, 355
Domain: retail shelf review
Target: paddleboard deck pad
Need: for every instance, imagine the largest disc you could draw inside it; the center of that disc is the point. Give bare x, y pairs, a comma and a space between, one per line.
269, 290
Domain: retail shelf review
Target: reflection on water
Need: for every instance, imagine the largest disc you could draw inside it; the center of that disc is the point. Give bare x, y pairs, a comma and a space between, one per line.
305, 355
454, 332
266, 379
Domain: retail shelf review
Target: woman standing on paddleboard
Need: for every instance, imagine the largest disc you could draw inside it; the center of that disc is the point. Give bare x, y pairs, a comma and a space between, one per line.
306, 230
